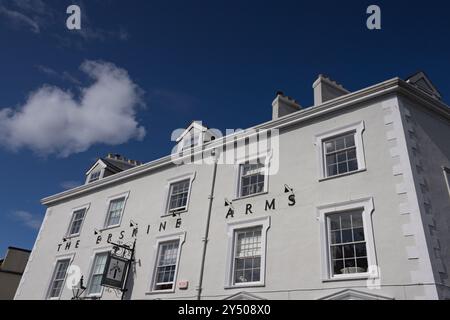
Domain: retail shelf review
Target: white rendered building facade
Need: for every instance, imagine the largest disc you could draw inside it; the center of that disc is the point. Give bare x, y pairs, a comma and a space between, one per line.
350, 201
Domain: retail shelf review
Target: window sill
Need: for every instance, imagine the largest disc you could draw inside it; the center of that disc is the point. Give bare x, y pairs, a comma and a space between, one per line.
251, 196
342, 175
246, 285
174, 214
361, 276
110, 228
72, 236
160, 291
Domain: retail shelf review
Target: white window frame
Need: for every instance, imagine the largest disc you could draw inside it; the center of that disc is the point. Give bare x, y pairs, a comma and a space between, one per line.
263, 158
104, 249
94, 169
179, 236
358, 128
191, 176
124, 195
69, 257
234, 226
192, 139
93, 173
367, 207
72, 217
447, 178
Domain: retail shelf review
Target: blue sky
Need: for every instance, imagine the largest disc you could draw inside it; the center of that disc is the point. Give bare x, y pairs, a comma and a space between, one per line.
216, 61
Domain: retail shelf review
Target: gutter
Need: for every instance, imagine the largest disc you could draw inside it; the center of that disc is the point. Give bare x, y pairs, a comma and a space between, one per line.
386, 87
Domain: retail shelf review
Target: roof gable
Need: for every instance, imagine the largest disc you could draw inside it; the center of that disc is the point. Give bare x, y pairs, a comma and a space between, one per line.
421, 81
100, 163
195, 126
243, 296
351, 294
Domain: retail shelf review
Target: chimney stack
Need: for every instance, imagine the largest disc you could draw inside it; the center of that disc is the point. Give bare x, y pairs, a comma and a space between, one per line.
326, 89
283, 105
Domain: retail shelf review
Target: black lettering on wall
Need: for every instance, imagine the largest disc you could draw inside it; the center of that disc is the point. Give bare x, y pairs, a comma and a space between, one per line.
122, 234
59, 246
109, 238
178, 223
271, 205
68, 244
77, 244
134, 233
291, 200
148, 229
248, 209
230, 213
99, 239
162, 226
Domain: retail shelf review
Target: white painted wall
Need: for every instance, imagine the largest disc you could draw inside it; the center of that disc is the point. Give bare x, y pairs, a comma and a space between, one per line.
293, 253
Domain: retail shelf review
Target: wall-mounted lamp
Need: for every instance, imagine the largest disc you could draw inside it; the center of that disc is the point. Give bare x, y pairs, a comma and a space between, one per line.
228, 203
288, 189
133, 224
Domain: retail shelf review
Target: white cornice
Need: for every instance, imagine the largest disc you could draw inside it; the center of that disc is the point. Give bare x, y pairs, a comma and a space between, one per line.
394, 85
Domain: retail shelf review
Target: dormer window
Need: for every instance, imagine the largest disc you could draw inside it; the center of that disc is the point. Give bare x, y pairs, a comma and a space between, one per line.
94, 176
194, 135
111, 164
191, 140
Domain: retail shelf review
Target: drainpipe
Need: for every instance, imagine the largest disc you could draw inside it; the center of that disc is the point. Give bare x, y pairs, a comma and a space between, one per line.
205, 238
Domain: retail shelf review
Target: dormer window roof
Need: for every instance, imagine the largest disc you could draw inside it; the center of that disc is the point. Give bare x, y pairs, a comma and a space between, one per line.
111, 164
195, 135
421, 81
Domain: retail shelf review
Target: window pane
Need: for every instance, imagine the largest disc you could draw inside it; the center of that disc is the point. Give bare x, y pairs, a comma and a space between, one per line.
179, 192
340, 151
340, 144
336, 252
166, 266
77, 220
336, 237
350, 141
361, 264
346, 228
115, 211
360, 249
97, 273
349, 251
331, 159
58, 278
247, 260
252, 179
358, 234
341, 157
342, 168
330, 146
338, 265
332, 170
352, 165
345, 220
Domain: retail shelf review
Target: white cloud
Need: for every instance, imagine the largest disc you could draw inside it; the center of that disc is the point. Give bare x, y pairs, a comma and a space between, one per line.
27, 219
20, 19
55, 121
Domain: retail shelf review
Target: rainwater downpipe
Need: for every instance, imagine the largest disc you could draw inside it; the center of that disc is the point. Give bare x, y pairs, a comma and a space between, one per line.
208, 219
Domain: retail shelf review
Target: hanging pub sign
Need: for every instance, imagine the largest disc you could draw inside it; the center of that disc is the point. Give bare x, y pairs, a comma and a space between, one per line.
115, 273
